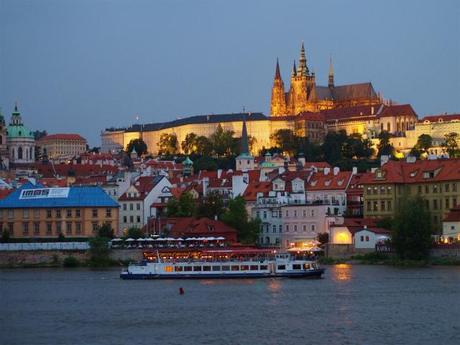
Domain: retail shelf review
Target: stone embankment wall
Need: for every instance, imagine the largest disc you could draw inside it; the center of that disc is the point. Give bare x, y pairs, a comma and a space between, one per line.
126, 254
38, 258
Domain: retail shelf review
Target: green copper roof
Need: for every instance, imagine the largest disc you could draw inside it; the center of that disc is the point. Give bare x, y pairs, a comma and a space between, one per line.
187, 161
267, 165
244, 155
19, 132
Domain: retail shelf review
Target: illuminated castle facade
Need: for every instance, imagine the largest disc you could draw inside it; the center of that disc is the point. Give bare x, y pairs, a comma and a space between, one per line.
305, 96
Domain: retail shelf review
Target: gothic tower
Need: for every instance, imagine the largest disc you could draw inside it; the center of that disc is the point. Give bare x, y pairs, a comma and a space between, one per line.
278, 102
330, 83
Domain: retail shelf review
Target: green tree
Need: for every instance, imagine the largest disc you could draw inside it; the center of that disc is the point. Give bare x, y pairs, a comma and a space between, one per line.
411, 230
332, 146
105, 230
99, 252
424, 143
355, 147
211, 206
286, 140
167, 145
189, 145
5, 236
203, 146
384, 146
312, 151
139, 145
222, 142
237, 217
134, 232
184, 207
204, 163
451, 145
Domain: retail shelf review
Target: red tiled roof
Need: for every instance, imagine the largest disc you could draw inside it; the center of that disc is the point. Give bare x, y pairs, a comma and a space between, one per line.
53, 182
4, 193
350, 112
63, 136
48, 170
453, 215
441, 118
398, 110
319, 181
250, 194
143, 185
202, 227
403, 172
310, 116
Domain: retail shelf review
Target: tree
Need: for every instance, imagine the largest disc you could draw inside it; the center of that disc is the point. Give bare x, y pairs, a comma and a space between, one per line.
411, 230
184, 207
134, 232
137, 144
222, 142
5, 236
204, 163
167, 144
99, 252
323, 237
105, 231
237, 217
286, 140
451, 145
211, 206
384, 146
424, 143
189, 145
332, 146
355, 147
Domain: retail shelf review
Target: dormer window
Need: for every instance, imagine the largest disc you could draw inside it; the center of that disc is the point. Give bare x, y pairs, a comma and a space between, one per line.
428, 174
327, 183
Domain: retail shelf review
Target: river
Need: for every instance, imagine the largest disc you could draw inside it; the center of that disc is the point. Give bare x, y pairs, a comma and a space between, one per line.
351, 305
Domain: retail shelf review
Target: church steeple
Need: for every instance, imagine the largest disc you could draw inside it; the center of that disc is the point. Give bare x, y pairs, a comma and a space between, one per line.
278, 101
331, 74
294, 70
16, 119
302, 71
244, 138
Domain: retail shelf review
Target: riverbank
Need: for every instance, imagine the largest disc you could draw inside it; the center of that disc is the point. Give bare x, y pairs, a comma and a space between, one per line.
391, 260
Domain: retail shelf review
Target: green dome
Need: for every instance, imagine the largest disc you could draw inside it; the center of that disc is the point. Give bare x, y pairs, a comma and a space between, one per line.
19, 132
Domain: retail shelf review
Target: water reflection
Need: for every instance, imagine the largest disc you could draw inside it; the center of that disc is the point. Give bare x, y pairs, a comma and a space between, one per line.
342, 272
274, 285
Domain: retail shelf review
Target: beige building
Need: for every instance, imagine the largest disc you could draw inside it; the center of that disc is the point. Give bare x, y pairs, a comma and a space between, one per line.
36, 212
61, 146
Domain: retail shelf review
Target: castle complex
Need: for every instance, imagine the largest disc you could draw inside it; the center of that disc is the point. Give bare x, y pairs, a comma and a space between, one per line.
309, 110
304, 95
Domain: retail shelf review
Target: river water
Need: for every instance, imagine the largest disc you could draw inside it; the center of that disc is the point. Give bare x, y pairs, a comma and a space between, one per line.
351, 305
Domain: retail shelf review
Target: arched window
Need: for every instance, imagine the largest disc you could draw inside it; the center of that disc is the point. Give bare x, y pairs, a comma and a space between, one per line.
20, 152
27, 154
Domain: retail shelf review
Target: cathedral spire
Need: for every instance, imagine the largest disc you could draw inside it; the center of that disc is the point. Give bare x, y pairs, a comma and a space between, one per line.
303, 69
294, 70
331, 74
277, 71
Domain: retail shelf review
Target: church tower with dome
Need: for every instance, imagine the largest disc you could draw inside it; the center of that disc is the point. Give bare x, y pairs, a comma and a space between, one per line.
20, 140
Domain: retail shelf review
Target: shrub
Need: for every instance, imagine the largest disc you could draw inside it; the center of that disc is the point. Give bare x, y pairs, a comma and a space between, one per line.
71, 261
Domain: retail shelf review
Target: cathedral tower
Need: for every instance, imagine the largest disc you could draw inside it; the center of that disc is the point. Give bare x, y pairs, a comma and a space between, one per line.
278, 102
330, 83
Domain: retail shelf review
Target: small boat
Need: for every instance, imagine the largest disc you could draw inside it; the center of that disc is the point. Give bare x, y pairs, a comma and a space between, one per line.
252, 263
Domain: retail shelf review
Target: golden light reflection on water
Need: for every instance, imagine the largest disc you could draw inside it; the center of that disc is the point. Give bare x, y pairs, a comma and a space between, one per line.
274, 285
342, 272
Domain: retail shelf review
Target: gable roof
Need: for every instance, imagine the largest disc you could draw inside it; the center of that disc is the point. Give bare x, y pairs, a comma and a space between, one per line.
319, 181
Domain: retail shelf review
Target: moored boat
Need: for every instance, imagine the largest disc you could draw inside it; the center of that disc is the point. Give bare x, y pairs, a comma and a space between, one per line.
229, 263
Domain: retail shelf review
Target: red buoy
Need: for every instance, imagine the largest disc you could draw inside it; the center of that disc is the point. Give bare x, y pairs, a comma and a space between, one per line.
181, 290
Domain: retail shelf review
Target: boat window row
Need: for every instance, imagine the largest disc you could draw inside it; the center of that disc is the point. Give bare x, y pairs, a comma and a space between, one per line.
215, 268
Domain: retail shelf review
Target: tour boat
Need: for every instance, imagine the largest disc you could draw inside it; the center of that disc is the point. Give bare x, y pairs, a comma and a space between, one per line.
252, 263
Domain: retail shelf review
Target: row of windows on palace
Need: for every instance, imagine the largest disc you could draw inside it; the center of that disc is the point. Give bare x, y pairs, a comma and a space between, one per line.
131, 219
287, 228
71, 228
131, 206
277, 214
57, 213
435, 204
435, 188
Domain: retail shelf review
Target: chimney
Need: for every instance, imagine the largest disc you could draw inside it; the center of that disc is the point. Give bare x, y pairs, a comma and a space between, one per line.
336, 170
327, 171
372, 110
219, 173
411, 159
354, 170
205, 185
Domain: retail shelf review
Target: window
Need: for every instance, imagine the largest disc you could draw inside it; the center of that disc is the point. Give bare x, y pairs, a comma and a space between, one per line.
389, 205
108, 213
25, 228
435, 204
25, 213
178, 268
94, 212
454, 187
419, 189
216, 268
48, 213
295, 228
369, 207
244, 268
77, 213
435, 188
281, 267
125, 219
382, 205
58, 228
304, 228
295, 214
296, 267
36, 228
313, 227
447, 203
168, 269
187, 268
367, 238
235, 268
138, 218
375, 206
427, 190
274, 228
95, 227
124, 207
207, 268
265, 214
138, 206
131, 219
287, 213
280, 228
287, 227
49, 228
304, 213
58, 214
68, 228
454, 202
263, 267
78, 228
446, 187
131, 207
362, 238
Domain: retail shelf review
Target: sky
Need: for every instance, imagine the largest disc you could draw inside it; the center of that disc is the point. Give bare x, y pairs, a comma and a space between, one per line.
82, 66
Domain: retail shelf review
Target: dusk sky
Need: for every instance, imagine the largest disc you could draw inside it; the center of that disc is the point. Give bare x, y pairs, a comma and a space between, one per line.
82, 66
